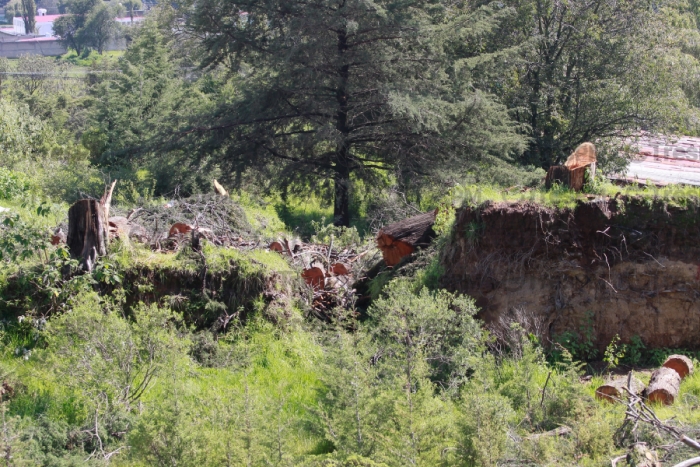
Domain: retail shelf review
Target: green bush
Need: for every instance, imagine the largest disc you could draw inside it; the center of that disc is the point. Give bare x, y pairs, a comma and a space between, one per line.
12, 184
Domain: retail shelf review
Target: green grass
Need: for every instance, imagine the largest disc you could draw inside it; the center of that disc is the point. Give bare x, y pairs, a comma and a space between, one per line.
559, 197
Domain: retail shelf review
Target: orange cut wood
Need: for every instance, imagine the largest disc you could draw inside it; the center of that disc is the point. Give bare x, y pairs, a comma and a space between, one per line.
682, 364
179, 228
276, 246
583, 156
400, 239
663, 386
340, 269
315, 277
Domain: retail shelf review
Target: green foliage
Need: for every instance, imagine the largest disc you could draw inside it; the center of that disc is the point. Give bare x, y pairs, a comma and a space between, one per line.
634, 351
484, 428
614, 353
13, 184
580, 345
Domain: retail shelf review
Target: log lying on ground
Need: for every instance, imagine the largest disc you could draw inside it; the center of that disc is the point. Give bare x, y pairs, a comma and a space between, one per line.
613, 390
402, 238
682, 364
663, 386
87, 232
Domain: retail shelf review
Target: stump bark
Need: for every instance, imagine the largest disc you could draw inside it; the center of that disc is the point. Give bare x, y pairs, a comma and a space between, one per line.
87, 232
663, 386
571, 178
399, 240
682, 364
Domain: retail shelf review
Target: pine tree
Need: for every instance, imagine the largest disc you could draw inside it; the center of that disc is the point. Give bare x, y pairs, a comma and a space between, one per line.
336, 90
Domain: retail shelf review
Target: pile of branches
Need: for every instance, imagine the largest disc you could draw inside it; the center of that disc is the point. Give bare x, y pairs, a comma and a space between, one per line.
637, 415
330, 272
168, 225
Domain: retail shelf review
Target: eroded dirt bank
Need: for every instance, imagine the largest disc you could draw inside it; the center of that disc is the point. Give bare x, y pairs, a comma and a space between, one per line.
616, 266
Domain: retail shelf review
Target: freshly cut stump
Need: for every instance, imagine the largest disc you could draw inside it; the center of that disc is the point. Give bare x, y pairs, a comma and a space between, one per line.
179, 228
663, 386
340, 269
613, 391
682, 364
276, 246
315, 276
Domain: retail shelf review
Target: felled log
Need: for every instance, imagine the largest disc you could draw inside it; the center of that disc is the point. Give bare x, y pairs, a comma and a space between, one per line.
399, 240
682, 364
87, 232
315, 276
613, 390
663, 386
276, 246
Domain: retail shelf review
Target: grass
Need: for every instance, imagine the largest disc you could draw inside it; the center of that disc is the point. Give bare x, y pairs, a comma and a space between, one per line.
562, 198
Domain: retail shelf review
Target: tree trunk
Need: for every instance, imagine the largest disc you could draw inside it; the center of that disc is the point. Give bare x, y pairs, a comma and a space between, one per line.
87, 232
341, 205
682, 364
664, 386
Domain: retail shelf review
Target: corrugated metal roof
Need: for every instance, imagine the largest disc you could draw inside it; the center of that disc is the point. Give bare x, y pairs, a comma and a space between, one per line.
665, 160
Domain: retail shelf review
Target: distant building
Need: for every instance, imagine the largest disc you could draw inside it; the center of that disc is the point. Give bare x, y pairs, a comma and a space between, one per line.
14, 42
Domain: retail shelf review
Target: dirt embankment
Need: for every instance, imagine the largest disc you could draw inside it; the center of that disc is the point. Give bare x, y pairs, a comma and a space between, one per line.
616, 266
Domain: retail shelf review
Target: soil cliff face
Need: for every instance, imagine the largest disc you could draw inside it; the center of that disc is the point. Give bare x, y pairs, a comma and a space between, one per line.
618, 266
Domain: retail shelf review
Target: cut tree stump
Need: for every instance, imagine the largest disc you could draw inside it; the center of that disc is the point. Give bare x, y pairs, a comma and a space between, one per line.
340, 269
402, 238
682, 364
613, 391
573, 179
87, 232
315, 276
663, 386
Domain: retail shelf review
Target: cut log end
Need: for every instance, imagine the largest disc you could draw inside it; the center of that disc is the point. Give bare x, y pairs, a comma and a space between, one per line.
399, 240
614, 391
276, 246
340, 269
315, 277
663, 386
682, 364
179, 228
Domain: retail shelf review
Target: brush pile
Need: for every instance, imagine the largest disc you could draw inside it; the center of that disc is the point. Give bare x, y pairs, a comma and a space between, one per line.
330, 271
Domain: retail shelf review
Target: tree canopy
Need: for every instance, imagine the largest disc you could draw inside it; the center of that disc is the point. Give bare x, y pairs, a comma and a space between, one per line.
334, 90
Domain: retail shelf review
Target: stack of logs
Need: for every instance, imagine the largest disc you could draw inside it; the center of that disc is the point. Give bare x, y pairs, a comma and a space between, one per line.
663, 387
326, 269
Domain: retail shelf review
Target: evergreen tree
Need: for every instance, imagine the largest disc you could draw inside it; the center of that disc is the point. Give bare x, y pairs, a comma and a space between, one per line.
585, 71
336, 90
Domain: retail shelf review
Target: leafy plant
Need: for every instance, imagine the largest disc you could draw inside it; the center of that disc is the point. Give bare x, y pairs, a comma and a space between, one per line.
614, 353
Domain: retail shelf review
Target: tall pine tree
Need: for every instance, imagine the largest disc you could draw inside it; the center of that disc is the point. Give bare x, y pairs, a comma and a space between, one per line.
341, 90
